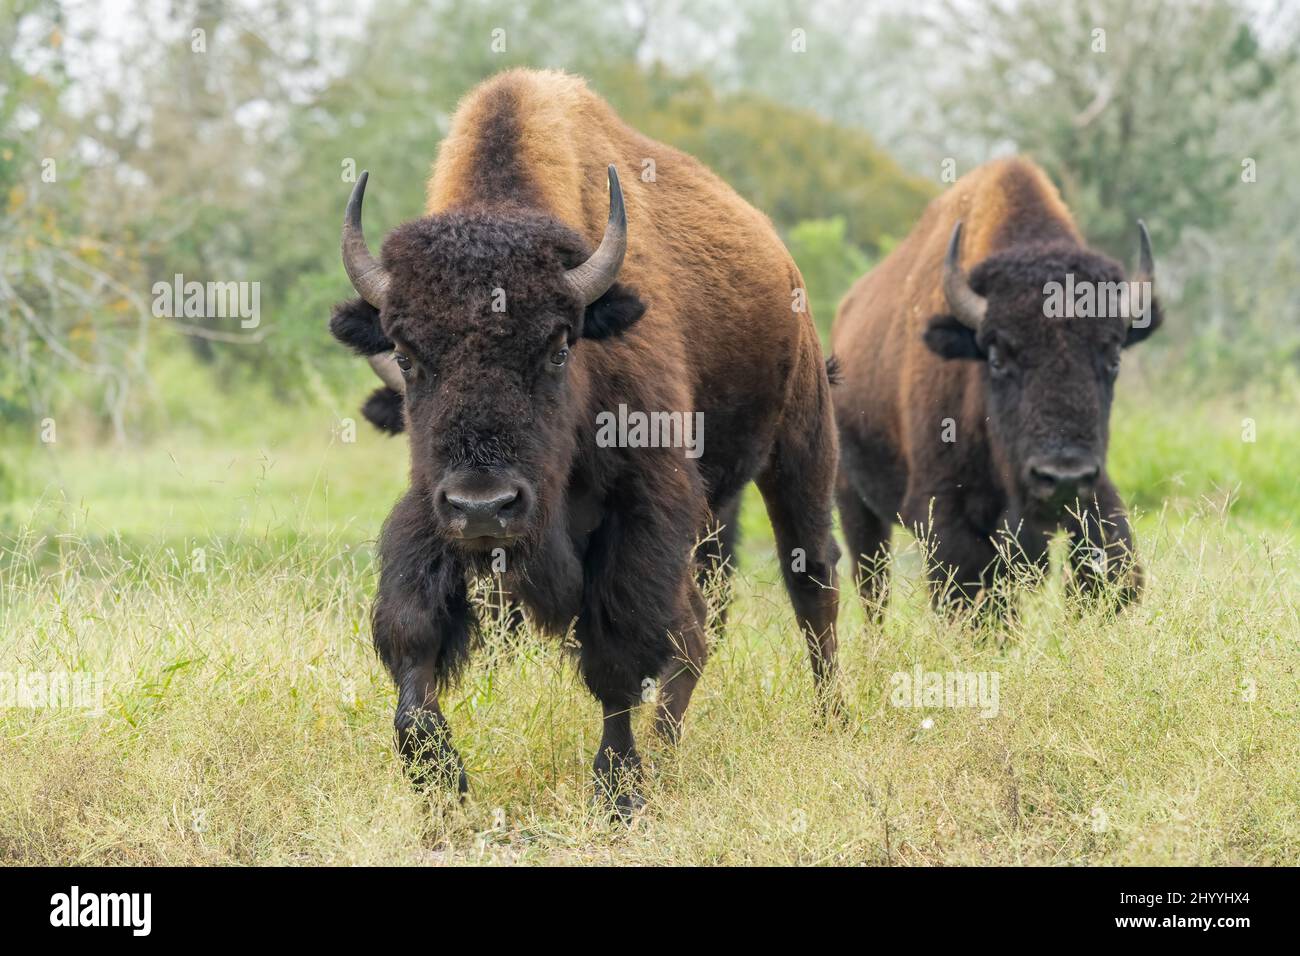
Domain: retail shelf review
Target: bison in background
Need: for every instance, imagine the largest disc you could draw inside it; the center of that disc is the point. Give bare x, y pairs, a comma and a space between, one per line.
536, 294
978, 409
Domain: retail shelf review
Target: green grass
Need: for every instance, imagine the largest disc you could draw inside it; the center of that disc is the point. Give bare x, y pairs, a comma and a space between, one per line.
246, 720
1170, 452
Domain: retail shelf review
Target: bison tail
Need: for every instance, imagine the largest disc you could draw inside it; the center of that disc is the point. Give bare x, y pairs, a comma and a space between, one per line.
834, 374
383, 409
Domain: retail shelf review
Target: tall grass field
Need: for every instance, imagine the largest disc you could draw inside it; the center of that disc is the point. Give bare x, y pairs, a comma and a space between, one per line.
216, 586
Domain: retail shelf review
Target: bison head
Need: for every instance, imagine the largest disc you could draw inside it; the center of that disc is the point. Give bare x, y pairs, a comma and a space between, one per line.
478, 319
1048, 324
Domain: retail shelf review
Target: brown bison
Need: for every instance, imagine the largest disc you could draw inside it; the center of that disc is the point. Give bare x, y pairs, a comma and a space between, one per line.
978, 409
535, 303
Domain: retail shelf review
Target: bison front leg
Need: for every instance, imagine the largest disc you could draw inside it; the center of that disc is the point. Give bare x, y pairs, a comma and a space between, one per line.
671, 653
642, 624
423, 735
690, 651
617, 767
608, 667
961, 561
619, 658
421, 623
1102, 557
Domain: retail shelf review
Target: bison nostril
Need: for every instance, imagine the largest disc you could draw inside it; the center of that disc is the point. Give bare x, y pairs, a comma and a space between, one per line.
1065, 476
486, 506
478, 506
503, 501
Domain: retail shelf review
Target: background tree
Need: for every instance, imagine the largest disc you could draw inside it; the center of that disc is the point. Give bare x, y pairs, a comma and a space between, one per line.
218, 138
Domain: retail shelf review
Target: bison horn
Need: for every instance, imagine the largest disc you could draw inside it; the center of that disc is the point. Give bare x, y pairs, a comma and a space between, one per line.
369, 278
1146, 273
1146, 262
967, 305
593, 278
385, 366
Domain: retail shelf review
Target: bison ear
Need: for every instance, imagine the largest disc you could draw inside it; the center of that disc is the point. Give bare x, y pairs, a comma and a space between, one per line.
383, 409
1137, 333
948, 338
355, 323
613, 313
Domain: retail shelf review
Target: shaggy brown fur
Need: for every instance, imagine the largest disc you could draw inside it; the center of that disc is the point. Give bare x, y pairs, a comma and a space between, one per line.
934, 434
701, 319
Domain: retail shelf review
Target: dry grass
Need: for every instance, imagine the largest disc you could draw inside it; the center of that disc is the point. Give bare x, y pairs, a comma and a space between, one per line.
246, 720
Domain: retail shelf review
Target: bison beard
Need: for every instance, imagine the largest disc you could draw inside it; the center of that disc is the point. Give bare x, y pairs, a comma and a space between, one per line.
970, 414
500, 408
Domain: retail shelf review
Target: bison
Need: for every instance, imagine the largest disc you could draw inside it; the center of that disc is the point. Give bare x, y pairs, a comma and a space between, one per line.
977, 409
535, 298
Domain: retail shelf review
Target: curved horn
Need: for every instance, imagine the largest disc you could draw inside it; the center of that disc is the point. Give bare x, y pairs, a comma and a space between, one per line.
1146, 273
1146, 261
967, 305
593, 278
385, 367
368, 277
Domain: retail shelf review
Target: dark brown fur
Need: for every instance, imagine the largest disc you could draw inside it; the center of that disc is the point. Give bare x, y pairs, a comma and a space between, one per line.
700, 320
909, 367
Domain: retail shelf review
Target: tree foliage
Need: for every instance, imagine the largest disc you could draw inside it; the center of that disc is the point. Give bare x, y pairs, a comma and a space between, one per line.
218, 139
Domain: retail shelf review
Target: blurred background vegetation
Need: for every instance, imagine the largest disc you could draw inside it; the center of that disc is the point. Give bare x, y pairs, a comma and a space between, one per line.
210, 137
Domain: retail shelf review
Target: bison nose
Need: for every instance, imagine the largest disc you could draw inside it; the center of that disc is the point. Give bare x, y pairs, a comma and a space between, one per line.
482, 510
1063, 478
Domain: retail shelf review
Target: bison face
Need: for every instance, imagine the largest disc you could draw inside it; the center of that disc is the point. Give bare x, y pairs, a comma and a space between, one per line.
490, 344
489, 315
1048, 326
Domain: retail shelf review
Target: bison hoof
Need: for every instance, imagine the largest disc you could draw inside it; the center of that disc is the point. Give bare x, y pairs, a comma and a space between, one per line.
626, 806
432, 763
427, 778
622, 805
831, 707
618, 781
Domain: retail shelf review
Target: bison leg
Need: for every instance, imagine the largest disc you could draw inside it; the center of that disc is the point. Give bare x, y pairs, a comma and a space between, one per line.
423, 736
642, 619
422, 622
1102, 553
867, 537
797, 487
715, 560
961, 561
617, 767
678, 680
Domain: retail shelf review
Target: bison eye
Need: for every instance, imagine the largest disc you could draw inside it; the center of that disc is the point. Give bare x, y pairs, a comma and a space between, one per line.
559, 357
997, 363
402, 361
